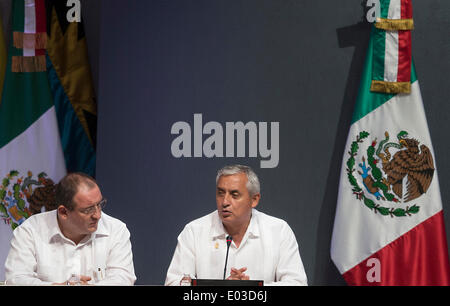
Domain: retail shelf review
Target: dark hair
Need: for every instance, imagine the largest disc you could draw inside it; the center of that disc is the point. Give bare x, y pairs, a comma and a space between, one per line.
68, 187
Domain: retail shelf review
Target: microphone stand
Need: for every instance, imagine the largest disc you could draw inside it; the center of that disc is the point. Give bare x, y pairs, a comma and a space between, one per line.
229, 239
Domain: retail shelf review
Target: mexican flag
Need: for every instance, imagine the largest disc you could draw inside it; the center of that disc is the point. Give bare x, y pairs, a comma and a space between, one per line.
47, 96
389, 226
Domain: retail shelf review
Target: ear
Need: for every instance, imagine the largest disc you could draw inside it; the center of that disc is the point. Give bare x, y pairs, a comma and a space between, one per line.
255, 200
62, 211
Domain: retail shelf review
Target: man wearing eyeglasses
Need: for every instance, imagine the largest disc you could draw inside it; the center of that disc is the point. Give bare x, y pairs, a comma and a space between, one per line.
76, 244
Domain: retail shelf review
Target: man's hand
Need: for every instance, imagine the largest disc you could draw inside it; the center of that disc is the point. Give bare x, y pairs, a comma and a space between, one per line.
238, 274
83, 282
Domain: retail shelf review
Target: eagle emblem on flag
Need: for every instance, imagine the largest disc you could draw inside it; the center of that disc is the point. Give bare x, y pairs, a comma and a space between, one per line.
16, 191
397, 171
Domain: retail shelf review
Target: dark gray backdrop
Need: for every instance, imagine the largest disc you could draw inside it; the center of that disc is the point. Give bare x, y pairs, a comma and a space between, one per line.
295, 62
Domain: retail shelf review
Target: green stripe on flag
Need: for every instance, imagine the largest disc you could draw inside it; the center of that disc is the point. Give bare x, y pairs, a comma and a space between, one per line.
26, 96
18, 23
379, 52
368, 101
384, 8
18, 109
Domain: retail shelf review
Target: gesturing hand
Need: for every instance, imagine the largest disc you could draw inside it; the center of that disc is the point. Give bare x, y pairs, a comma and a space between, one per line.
238, 274
83, 281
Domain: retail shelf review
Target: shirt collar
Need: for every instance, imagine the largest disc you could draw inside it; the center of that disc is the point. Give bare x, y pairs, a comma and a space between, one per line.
218, 230
253, 227
54, 229
53, 225
102, 230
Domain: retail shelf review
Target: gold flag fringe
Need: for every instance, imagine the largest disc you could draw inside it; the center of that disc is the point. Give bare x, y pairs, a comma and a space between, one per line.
30, 40
394, 24
29, 63
391, 87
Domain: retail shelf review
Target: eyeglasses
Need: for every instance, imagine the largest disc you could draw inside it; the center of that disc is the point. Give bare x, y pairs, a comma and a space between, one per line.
91, 210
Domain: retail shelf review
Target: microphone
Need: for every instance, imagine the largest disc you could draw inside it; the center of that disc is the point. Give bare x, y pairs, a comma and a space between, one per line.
229, 239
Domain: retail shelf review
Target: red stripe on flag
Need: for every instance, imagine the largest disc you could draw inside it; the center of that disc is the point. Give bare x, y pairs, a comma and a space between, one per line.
418, 258
404, 56
406, 7
39, 52
404, 45
41, 22
41, 19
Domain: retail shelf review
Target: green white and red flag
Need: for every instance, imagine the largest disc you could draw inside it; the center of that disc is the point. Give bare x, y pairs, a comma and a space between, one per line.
47, 112
392, 55
389, 226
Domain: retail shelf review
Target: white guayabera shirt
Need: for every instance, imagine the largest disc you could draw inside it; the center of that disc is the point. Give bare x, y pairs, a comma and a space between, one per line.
268, 250
41, 255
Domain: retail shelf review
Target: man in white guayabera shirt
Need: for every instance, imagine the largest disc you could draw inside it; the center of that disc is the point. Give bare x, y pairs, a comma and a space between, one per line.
262, 247
75, 244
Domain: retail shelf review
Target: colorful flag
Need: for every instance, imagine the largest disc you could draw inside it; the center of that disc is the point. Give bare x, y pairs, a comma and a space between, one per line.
392, 60
389, 226
71, 83
46, 115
